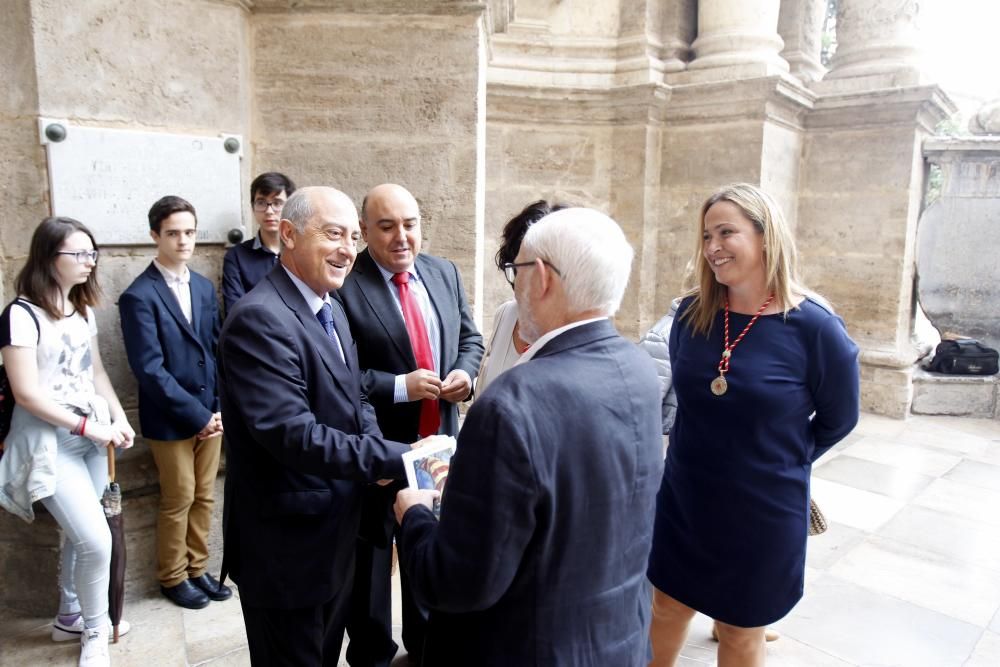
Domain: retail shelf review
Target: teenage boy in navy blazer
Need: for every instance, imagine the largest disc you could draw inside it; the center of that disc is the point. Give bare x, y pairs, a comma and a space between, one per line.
170, 322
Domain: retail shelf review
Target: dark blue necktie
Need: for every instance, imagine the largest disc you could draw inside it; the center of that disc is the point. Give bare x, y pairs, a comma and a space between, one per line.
325, 317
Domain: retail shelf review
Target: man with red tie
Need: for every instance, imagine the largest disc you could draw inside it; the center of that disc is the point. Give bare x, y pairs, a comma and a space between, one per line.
419, 351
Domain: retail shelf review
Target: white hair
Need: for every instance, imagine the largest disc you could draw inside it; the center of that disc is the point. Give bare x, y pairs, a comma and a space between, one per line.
298, 210
591, 253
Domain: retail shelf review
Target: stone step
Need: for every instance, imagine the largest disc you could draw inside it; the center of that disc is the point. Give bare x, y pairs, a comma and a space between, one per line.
956, 395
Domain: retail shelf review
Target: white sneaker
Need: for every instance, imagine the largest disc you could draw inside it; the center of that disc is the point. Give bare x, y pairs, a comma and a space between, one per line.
94, 647
62, 632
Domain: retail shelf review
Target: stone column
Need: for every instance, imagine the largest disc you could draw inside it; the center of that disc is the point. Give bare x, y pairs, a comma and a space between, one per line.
800, 25
740, 35
879, 39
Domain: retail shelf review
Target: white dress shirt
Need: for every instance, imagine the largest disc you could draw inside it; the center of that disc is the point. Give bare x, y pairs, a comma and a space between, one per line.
315, 302
180, 285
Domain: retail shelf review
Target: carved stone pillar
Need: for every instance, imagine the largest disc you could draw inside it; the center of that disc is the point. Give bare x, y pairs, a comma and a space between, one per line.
800, 25
877, 38
741, 35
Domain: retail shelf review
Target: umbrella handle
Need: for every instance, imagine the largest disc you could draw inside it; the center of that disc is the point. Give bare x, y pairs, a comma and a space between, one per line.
111, 462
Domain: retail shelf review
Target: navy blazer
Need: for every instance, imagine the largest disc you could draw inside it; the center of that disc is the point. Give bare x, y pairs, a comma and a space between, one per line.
302, 444
172, 359
547, 518
384, 348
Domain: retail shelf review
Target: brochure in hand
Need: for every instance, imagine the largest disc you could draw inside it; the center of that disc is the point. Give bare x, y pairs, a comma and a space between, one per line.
427, 466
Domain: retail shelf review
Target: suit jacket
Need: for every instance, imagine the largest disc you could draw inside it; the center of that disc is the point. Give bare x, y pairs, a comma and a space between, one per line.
172, 359
547, 518
384, 346
301, 446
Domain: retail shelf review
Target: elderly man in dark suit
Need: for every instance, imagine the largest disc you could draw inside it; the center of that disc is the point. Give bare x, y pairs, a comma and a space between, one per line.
420, 351
302, 442
546, 523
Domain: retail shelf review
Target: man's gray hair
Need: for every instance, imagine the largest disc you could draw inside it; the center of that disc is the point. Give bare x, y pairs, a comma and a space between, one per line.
591, 253
298, 210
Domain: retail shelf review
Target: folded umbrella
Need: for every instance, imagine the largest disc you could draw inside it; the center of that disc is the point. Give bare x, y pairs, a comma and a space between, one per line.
111, 501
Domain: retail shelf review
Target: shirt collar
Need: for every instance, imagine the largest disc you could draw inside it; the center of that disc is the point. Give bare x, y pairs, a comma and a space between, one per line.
542, 340
259, 245
172, 278
387, 274
313, 300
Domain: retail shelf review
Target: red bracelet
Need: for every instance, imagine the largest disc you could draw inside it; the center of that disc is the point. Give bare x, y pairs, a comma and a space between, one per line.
83, 426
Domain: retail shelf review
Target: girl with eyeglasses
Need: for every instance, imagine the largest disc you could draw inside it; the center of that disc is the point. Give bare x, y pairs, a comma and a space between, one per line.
66, 413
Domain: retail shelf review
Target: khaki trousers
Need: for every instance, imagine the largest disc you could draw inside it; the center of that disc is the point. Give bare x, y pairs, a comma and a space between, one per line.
187, 492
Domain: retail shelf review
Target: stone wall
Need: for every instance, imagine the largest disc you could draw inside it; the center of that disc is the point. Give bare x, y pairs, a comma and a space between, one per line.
180, 68
354, 100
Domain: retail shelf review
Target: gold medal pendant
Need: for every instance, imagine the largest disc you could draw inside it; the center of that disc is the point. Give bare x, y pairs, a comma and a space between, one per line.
719, 385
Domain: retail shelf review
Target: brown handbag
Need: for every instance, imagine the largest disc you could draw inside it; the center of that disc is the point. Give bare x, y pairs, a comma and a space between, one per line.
817, 522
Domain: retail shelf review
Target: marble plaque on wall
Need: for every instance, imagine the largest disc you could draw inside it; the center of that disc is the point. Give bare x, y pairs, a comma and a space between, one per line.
108, 178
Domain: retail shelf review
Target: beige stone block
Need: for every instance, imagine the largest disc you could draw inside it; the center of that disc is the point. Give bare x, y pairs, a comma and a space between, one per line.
17, 53
24, 186
425, 83
707, 156
954, 395
553, 157
178, 68
886, 391
832, 159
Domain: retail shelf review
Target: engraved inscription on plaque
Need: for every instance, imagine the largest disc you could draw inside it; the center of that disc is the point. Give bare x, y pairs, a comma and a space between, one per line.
108, 179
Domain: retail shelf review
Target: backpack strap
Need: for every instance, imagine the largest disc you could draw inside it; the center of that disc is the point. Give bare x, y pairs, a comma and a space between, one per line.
31, 311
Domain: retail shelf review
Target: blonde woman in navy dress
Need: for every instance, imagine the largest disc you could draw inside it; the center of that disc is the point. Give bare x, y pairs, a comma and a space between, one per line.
767, 380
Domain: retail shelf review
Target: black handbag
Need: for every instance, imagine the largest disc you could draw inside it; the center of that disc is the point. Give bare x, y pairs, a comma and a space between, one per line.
963, 357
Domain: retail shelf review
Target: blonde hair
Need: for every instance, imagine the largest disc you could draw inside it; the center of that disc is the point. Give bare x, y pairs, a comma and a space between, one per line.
780, 257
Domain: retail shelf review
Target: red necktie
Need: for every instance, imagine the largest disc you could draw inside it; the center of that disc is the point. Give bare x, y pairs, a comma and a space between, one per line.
430, 415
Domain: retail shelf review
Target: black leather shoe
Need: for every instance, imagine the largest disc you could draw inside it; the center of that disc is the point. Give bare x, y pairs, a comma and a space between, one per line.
211, 587
186, 594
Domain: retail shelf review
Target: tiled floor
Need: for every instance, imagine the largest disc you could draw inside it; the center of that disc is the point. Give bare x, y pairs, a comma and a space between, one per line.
908, 574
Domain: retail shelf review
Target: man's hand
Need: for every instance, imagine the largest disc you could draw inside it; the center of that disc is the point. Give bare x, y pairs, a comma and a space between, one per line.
457, 386
421, 384
407, 498
430, 440
213, 427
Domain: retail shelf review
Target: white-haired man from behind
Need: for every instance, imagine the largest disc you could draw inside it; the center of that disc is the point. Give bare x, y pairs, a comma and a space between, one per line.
540, 554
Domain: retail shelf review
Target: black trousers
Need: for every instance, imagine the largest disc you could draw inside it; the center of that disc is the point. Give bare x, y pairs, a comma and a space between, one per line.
304, 637
369, 623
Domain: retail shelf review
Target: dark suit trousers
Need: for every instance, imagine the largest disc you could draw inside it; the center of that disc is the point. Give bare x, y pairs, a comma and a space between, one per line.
305, 637
370, 623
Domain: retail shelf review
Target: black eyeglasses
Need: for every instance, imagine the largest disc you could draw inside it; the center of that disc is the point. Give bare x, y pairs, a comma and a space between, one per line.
262, 205
81, 256
510, 269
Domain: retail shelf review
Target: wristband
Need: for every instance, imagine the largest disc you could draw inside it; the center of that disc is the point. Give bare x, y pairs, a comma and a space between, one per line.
83, 426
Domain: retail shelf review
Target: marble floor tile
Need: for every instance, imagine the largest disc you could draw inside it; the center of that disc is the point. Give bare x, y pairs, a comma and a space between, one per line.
960, 499
908, 457
863, 627
822, 551
944, 439
876, 477
959, 538
916, 575
987, 651
887, 427
853, 507
990, 455
978, 473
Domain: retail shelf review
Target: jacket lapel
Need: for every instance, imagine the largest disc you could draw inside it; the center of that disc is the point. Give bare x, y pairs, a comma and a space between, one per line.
314, 330
170, 300
376, 292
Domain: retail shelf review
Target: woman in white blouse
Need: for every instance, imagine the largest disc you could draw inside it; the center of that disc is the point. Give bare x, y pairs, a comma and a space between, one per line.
505, 347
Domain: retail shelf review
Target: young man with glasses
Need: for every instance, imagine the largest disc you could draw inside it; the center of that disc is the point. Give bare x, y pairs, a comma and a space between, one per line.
170, 325
248, 262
